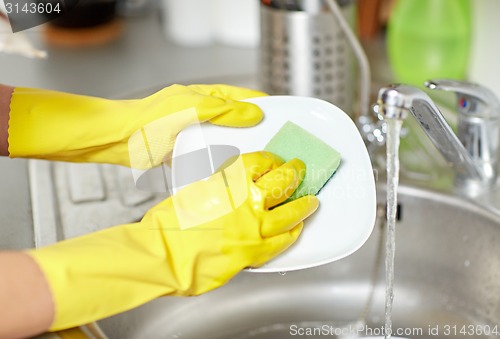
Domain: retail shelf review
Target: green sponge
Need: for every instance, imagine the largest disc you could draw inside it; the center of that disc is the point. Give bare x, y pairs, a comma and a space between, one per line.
321, 160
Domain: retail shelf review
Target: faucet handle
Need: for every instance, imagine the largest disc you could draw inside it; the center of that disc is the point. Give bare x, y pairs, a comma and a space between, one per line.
472, 98
478, 123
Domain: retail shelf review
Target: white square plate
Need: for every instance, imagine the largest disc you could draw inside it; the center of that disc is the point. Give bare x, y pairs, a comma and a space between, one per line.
346, 215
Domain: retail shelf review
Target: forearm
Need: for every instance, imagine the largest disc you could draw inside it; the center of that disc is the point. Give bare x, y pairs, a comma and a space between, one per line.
104, 273
27, 307
5, 96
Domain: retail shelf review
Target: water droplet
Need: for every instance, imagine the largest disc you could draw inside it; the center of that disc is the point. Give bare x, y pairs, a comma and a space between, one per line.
466, 263
282, 273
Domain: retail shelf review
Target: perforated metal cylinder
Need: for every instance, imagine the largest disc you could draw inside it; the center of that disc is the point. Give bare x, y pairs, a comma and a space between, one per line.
306, 54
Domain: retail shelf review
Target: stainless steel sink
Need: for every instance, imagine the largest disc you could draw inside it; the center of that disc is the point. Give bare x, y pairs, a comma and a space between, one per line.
447, 278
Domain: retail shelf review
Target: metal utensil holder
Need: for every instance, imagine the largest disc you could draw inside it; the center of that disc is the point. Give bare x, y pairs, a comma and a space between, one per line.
304, 52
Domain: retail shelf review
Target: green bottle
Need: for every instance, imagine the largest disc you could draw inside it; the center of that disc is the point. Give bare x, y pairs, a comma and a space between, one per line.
429, 39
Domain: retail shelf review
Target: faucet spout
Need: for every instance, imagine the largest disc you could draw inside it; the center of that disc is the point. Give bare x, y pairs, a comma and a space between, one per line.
473, 154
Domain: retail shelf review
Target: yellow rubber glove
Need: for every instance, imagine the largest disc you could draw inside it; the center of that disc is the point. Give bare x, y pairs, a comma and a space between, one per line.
137, 133
191, 243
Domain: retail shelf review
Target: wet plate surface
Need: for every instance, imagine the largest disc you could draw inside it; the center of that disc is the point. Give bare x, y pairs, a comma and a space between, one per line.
347, 209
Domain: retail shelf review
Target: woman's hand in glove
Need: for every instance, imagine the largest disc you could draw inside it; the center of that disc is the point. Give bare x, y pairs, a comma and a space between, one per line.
136, 133
191, 243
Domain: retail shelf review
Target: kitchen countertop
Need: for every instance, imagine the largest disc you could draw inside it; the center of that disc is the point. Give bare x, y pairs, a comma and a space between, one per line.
141, 59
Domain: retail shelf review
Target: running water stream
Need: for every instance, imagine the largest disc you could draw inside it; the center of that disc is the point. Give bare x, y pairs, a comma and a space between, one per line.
392, 143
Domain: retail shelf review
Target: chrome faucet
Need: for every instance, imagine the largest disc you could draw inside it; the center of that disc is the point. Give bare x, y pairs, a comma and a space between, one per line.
473, 153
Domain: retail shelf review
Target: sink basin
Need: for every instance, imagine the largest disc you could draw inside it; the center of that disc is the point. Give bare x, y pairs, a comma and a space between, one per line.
447, 280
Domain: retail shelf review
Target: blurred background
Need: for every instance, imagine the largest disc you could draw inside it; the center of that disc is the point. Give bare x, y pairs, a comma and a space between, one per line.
126, 45
115, 47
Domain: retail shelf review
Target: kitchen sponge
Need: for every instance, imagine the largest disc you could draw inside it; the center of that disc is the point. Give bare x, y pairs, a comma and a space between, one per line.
321, 160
